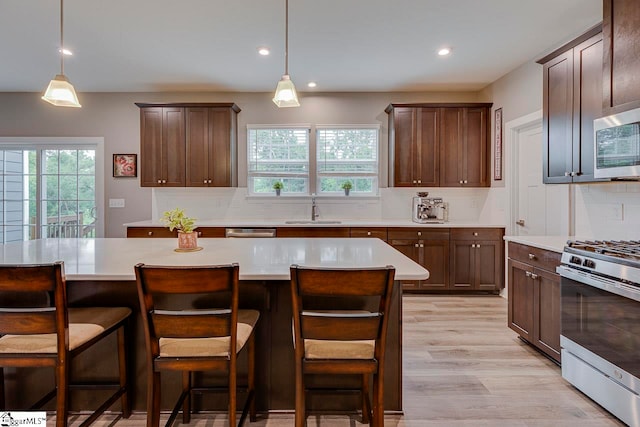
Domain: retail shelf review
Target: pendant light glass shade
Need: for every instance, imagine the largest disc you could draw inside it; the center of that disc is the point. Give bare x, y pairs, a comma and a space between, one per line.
286, 95
60, 92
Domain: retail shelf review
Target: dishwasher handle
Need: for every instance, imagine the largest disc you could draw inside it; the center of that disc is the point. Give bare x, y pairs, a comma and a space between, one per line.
250, 232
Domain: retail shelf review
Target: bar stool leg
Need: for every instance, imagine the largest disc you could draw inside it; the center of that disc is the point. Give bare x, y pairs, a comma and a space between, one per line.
366, 405
153, 398
62, 394
2, 388
301, 414
251, 355
186, 405
123, 366
232, 390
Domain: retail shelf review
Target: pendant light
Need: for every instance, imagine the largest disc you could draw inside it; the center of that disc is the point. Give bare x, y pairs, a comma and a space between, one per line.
60, 92
286, 95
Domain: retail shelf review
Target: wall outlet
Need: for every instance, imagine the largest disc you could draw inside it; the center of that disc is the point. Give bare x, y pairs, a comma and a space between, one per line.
615, 212
116, 203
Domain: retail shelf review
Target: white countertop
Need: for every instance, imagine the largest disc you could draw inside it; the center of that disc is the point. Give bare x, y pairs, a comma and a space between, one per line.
259, 259
550, 243
320, 223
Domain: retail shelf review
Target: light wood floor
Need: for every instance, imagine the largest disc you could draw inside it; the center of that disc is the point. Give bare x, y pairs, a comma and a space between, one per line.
462, 367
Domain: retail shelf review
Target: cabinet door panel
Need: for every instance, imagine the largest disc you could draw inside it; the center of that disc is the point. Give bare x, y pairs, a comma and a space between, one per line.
450, 149
462, 265
428, 159
489, 274
475, 153
621, 20
557, 120
150, 146
404, 120
220, 155
547, 316
410, 248
197, 124
435, 258
587, 83
521, 299
173, 147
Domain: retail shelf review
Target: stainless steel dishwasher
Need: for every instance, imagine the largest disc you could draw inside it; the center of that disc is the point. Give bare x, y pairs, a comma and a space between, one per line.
250, 232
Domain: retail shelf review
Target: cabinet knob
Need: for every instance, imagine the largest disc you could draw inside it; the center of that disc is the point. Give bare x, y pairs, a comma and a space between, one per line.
419, 233
473, 245
150, 233
368, 233
567, 174
205, 181
460, 181
532, 256
534, 276
414, 181
415, 245
159, 181
527, 273
199, 233
477, 246
475, 233
466, 182
422, 245
209, 181
419, 181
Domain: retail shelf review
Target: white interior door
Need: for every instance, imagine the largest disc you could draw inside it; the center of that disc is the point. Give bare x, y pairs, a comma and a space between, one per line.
532, 203
537, 209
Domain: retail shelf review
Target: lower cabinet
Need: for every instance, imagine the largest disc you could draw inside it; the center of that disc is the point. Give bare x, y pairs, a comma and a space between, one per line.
534, 297
164, 232
477, 259
427, 247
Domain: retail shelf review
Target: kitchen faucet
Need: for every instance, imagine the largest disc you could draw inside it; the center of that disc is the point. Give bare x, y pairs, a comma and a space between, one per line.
314, 208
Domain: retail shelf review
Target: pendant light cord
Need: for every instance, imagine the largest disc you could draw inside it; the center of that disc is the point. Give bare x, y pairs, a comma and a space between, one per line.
286, 37
61, 38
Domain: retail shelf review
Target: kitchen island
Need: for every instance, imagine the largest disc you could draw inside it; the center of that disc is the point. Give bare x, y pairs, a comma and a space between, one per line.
100, 272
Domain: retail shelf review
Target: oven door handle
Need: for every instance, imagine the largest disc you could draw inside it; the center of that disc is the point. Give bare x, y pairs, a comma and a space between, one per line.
604, 283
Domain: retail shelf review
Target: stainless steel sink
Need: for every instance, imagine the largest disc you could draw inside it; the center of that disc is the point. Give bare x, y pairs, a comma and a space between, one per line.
312, 222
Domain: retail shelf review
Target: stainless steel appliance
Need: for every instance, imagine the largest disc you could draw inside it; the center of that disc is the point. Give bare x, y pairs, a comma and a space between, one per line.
250, 232
617, 146
600, 332
429, 210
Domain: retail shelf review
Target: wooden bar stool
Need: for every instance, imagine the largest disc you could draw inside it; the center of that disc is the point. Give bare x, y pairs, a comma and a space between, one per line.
203, 338
49, 334
341, 342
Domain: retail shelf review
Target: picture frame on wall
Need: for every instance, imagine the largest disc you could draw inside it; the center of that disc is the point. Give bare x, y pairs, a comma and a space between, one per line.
125, 165
497, 165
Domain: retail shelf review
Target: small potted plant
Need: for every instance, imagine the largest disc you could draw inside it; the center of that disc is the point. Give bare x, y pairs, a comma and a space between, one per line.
177, 220
346, 186
278, 185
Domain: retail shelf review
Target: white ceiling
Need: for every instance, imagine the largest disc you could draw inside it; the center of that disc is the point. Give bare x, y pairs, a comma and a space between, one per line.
344, 45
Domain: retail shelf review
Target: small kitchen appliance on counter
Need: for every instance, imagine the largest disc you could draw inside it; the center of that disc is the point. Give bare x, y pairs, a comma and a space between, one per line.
600, 313
429, 210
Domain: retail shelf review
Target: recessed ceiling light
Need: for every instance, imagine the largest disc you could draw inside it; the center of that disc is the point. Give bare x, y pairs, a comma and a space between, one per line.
312, 84
444, 51
65, 52
263, 51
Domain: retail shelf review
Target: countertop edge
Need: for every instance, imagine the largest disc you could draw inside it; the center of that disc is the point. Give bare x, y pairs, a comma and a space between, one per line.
549, 243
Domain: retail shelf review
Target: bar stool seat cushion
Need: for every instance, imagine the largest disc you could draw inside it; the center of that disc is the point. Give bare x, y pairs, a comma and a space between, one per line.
210, 347
332, 349
84, 325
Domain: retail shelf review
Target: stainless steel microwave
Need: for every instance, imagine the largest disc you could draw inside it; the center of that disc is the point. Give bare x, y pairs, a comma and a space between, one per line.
617, 146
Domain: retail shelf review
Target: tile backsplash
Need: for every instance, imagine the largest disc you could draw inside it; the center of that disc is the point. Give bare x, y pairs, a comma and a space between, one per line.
608, 210
486, 205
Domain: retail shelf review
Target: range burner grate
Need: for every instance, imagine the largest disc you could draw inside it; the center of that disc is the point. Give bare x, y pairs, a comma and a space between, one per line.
626, 249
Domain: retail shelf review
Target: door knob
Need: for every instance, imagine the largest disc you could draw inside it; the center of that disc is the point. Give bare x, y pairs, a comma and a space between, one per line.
520, 222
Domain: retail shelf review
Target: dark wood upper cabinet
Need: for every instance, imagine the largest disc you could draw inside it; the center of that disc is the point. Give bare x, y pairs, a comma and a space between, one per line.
415, 147
572, 99
192, 145
210, 144
621, 72
439, 145
162, 147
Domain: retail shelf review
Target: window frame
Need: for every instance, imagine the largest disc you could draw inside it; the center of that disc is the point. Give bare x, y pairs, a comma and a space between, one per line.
69, 143
313, 174
250, 174
376, 175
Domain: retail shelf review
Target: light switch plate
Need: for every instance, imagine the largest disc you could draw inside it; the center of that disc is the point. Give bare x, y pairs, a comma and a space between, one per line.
116, 203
